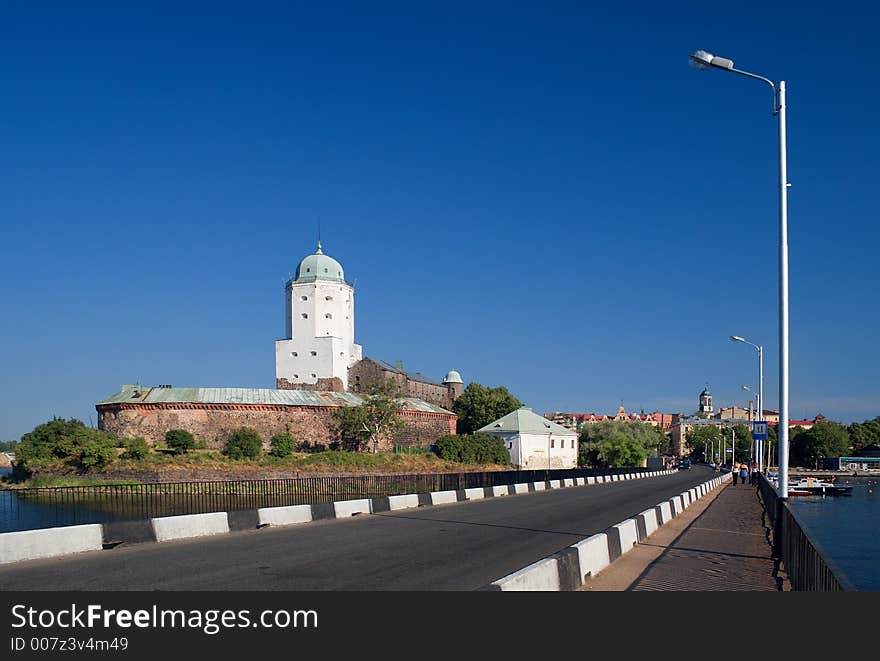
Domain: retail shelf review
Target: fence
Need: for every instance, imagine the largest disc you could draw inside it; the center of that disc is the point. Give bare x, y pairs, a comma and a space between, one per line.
808, 567
46, 507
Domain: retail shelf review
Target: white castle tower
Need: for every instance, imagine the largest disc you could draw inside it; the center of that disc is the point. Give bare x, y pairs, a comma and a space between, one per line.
319, 328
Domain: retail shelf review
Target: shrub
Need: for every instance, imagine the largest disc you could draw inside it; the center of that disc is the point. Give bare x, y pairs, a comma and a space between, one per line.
244, 443
180, 440
68, 440
475, 449
282, 445
97, 452
135, 448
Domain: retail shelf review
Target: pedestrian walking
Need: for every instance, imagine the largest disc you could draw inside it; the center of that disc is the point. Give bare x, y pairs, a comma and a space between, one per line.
735, 472
743, 473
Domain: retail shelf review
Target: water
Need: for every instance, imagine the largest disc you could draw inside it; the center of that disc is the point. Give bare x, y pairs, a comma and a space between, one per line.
846, 528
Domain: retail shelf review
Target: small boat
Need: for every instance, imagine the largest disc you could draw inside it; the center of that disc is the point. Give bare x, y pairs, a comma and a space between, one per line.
813, 486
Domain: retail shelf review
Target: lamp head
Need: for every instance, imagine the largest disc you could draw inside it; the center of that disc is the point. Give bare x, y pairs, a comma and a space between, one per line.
747, 388
702, 60
737, 338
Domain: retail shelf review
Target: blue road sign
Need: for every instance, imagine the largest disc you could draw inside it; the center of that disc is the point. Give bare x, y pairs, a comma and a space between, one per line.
759, 430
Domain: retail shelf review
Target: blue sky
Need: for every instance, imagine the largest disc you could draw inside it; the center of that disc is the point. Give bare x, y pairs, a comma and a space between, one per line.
542, 195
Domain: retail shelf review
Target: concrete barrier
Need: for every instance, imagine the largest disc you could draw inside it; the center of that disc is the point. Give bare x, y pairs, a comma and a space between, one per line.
539, 486
541, 575
342, 509
628, 535
49, 542
184, 526
592, 555
591, 480
499, 491
554, 484
664, 513
406, 501
443, 497
646, 523
285, 516
522, 487
475, 494
675, 506
568, 482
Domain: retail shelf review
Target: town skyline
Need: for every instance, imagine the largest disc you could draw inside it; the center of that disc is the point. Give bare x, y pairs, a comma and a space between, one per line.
519, 197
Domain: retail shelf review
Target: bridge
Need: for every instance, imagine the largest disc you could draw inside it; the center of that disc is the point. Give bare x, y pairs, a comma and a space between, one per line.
458, 546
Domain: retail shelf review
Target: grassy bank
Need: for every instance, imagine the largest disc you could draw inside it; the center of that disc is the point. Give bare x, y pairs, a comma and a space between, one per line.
60, 473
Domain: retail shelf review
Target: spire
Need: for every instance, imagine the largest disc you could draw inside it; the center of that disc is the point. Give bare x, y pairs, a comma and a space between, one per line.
319, 251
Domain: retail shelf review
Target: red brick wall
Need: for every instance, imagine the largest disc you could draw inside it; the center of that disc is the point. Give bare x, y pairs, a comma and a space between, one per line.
213, 423
329, 384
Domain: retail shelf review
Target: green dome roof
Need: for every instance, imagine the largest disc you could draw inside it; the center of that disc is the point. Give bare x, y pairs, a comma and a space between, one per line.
319, 266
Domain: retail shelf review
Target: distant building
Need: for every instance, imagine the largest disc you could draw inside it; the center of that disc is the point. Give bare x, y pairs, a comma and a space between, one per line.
535, 442
706, 403
729, 416
577, 421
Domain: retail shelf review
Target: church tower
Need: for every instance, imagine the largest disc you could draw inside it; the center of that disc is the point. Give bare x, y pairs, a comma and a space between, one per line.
706, 402
318, 345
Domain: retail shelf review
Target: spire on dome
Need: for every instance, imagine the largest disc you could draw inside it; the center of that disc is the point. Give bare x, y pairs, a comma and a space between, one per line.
319, 251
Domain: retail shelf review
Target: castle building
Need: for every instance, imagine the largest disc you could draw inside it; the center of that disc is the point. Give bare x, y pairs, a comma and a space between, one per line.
318, 368
318, 351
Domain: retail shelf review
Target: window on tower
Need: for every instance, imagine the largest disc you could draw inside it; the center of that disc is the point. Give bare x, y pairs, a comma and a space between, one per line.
305, 316
314, 353
328, 316
328, 298
304, 298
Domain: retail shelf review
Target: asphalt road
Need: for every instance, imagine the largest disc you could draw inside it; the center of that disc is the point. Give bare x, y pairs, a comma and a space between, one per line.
461, 546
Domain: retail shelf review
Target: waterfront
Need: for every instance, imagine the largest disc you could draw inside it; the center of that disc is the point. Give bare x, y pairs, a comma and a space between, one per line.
845, 528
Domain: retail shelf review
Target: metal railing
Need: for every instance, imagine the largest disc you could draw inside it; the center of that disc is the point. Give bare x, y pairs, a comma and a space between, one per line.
46, 507
808, 566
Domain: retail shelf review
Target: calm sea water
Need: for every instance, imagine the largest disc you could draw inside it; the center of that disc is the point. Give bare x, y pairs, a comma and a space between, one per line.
846, 528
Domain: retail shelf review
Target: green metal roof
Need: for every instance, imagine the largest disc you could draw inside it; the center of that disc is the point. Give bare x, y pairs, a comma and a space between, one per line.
136, 394
526, 421
319, 266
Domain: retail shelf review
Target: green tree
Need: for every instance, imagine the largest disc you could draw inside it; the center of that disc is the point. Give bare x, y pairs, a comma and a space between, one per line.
651, 439
822, 440
47, 440
703, 440
282, 445
478, 406
243, 443
620, 450
374, 422
180, 440
8, 446
135, 448
473, 449
865, 433
744, 442
68, 440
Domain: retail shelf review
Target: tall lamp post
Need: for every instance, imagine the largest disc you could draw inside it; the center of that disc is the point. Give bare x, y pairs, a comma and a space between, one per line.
703, 60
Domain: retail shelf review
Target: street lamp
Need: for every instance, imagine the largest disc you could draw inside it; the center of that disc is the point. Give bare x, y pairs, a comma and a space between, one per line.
703, 60
760, 350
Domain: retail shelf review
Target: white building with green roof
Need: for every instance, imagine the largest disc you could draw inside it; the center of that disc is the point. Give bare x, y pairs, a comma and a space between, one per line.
535, 442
